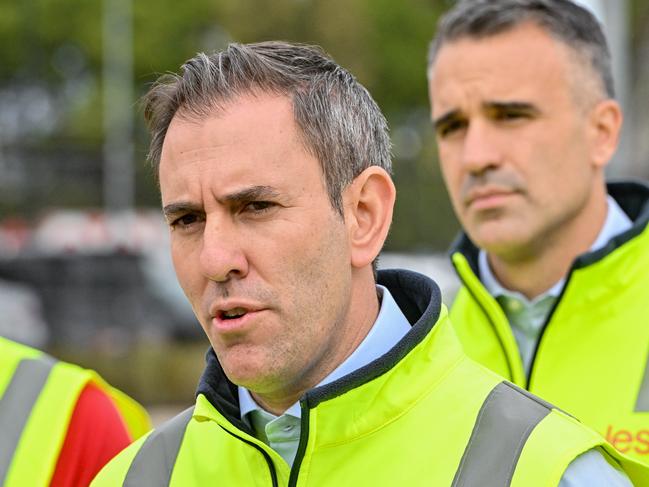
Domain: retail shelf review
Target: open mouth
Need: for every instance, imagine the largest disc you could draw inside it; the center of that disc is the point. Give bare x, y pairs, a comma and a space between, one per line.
232, 314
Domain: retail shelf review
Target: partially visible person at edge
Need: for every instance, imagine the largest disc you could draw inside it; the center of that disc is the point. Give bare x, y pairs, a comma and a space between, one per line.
274, 170
553, 264
59, 423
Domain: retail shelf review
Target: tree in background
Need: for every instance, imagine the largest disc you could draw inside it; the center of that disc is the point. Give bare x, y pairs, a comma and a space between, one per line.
51, 94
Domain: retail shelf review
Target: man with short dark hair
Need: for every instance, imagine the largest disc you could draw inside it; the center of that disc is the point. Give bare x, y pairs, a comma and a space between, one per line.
553, 262
274, 169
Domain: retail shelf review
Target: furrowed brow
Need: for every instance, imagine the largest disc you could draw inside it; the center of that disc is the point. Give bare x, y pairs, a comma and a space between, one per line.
252, 193
173, 209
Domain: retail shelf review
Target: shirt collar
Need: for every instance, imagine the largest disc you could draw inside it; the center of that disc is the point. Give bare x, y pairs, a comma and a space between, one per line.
616, 222
390, 326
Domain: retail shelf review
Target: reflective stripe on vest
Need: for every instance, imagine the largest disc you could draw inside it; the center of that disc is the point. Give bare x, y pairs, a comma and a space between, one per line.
154, 462
505, 421
642, 403
503, 425
17, 403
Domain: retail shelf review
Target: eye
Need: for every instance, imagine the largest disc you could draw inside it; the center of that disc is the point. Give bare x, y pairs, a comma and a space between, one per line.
185, 221
448, 128
512, 113
258, 206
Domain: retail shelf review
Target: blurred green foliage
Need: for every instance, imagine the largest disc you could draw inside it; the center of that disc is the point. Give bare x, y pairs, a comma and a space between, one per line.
56, 46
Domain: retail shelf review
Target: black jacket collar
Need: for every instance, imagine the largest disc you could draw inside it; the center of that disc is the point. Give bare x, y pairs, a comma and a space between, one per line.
417, 296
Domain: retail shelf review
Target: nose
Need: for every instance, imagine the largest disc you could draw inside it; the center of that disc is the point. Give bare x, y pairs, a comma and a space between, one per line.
480, 148
222, 256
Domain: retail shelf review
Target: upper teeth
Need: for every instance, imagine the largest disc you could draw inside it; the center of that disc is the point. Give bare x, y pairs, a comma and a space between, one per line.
232, 313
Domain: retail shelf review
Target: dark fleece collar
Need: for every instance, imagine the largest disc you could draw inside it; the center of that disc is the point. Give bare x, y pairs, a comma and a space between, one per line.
417, 296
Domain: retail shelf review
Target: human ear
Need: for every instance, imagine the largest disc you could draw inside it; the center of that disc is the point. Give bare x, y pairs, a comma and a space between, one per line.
605, 125
368, 204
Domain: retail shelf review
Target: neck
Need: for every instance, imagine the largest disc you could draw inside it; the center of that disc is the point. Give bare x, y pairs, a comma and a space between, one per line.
364, 309
536, 269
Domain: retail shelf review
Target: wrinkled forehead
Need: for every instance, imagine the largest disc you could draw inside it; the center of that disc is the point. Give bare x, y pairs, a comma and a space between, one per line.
579, 54
518, 64
217, 104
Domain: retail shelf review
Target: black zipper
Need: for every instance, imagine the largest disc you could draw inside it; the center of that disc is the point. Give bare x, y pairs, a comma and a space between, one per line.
546, 323
588, 259
301, 448
493, 325
269, 461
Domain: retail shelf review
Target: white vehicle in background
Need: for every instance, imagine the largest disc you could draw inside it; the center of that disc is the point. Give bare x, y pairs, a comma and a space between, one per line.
109, 278
99, 277
21, 315
436, 266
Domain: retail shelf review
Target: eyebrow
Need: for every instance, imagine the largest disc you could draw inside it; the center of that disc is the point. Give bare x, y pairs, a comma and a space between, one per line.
250, 194
519, 106
180, 207
446, 118
244, 195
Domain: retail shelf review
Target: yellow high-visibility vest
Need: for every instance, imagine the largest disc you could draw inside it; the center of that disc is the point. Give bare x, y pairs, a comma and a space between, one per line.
424, 414
592, 358
37, 398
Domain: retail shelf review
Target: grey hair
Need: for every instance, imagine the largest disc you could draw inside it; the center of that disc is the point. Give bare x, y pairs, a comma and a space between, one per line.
340, 123
564, 20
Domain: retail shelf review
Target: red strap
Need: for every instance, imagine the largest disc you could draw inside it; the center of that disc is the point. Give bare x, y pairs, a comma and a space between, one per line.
95, 435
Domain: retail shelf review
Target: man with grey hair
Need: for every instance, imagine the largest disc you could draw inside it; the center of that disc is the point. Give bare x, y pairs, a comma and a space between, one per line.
274, 166
553, 262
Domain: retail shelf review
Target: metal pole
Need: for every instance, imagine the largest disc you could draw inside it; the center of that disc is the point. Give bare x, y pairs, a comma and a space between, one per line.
118, 150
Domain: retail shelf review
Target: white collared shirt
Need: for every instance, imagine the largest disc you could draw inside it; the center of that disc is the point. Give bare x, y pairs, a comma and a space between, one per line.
527, 316
282, 433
